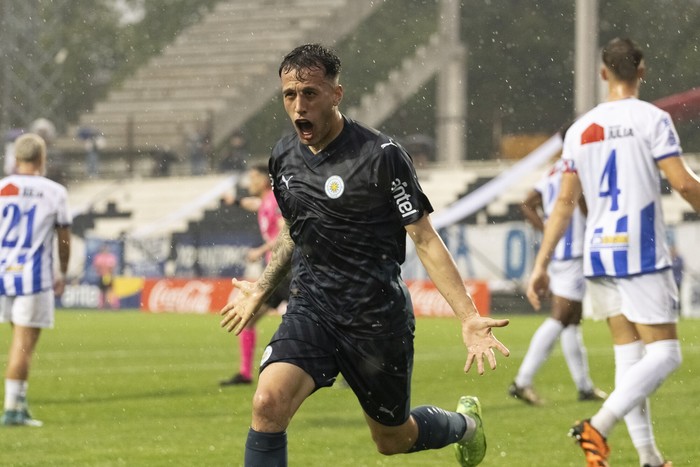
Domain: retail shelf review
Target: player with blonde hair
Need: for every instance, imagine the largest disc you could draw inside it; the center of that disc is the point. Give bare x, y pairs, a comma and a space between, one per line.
34, 213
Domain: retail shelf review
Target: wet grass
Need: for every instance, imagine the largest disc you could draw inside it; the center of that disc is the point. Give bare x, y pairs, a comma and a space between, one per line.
129, 388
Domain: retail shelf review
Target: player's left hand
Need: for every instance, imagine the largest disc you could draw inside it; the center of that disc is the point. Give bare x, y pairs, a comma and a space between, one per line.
242, 308
59, 285
480, 341
537, 287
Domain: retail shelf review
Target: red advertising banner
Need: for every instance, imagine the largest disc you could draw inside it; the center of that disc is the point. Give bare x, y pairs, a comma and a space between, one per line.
186, 295
427, 300
211, 295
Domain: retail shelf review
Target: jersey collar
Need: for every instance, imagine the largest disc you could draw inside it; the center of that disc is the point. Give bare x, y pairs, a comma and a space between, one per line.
314, 160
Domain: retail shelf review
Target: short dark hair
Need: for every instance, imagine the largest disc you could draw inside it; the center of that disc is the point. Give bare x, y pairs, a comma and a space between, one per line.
623, 57
310, 56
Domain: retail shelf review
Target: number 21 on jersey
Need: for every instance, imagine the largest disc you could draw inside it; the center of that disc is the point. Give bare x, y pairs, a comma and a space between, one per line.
17, 224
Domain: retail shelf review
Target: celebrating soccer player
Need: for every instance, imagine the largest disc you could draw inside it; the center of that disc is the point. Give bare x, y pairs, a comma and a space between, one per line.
349, 195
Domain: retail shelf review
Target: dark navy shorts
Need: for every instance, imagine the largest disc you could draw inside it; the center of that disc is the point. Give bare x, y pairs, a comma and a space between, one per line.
378, 369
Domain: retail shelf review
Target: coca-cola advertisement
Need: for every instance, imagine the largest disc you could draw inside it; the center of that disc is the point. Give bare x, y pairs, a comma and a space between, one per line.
181, 295
186, 295
427, 300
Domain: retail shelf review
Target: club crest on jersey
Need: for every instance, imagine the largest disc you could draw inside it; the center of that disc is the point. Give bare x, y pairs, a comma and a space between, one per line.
334, 187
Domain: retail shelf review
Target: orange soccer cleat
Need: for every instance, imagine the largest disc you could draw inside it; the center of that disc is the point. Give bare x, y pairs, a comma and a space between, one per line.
592, 442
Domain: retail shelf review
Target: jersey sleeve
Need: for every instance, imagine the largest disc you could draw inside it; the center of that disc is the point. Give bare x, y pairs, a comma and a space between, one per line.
665, 142
408, 199
63, 215
541, 184
568, 155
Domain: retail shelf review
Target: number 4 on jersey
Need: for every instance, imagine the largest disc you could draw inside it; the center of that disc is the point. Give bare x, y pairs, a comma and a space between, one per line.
608, 181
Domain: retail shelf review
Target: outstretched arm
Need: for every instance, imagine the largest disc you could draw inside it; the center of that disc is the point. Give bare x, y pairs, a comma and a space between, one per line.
252, 294
531, 209
476, 330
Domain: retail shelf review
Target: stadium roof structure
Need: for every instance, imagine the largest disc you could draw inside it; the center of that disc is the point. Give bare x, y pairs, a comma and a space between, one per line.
682, 106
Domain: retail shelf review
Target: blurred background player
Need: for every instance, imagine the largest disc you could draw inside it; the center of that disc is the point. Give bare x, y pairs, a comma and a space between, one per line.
105, 263
615, 154
261, 200
33, 208
567, 285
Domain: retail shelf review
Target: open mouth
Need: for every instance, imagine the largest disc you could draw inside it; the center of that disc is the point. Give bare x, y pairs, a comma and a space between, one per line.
305, 128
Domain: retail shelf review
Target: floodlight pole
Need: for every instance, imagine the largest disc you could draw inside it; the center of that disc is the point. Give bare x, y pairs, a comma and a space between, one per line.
451, 111
586, 55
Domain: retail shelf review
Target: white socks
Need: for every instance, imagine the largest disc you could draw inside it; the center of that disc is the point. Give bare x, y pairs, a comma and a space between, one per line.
576, 356
15, 393
639, 371
641, 379
541, 346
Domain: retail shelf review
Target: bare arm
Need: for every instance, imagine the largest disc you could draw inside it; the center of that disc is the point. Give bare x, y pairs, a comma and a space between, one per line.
252, 294
63, 235
568, 199
682, 179
279, 264
531, 209
254, 254
476, 330
251, 203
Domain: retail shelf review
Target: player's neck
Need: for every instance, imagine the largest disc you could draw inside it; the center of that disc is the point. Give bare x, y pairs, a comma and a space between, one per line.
337, 124
25, 168
618, 90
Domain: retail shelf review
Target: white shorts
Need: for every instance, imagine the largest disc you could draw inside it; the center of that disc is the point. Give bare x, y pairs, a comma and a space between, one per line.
31, 311
566, 279
644, 299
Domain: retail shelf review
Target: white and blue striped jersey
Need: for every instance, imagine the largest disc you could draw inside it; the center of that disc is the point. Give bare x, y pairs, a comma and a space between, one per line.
614, 149
570, 246
32, 207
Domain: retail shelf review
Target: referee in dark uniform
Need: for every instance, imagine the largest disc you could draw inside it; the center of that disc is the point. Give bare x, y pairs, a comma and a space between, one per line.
349, 196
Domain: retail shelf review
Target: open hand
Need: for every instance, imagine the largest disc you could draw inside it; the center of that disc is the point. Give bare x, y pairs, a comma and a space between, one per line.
242, 308
537, 287
480, 341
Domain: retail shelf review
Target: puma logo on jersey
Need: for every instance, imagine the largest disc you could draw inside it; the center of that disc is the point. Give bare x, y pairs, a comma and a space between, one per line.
286, 180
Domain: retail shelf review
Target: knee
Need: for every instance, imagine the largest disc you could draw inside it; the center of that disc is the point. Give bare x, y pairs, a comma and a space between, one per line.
675, 357
269, 408
388, 445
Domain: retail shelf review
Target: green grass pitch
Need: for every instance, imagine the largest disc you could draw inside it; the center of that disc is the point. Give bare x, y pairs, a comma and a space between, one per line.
127, 388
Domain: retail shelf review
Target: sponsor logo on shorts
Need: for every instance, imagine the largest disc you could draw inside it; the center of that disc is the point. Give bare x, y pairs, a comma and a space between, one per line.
266, 355
387, 411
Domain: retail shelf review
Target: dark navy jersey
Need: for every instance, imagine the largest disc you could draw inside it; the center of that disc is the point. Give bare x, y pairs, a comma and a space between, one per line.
346, 208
